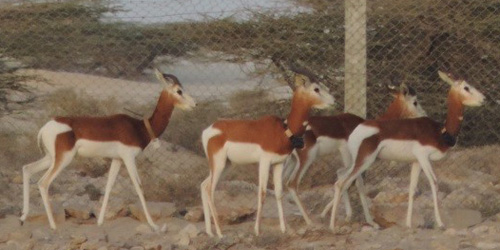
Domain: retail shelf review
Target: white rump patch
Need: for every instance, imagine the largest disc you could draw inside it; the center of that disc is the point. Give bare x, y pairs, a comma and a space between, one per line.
49, 132
357, 136
207, 134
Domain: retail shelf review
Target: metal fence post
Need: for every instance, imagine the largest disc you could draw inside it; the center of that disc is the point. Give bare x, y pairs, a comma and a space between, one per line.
355, 57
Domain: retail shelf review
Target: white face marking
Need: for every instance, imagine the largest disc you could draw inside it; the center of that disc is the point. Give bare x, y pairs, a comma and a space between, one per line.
320, 94
471, 96
413, 105
184, 101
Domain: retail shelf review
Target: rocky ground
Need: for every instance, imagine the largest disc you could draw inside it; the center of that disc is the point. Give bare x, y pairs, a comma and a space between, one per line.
469, 195
77, 198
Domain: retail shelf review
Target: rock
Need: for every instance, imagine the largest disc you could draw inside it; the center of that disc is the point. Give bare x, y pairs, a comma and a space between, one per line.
77, 239
481, 229
38, 214
190, 230
143, 229
116, 208
157, 210
92, 245
461, 218
44, 233
194, 214
450, 231
21, 236
488, 245
18, 179
79, 207
387, 216
186, 234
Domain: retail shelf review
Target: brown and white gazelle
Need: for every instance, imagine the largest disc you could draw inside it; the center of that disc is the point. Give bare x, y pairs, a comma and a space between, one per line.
414, 140
266, 141
119, 137
330, 133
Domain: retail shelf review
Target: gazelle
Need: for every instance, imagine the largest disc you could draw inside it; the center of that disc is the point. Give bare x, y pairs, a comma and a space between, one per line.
330, 133
119, 137
414, 140
266, 141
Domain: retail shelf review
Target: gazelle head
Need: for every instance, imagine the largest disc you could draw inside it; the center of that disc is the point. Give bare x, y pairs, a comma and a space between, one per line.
174, 88
406, 97
468, 95
317, 94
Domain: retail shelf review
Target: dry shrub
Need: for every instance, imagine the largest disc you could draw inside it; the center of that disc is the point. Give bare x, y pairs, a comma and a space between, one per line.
16, 150
185, 127
67, 102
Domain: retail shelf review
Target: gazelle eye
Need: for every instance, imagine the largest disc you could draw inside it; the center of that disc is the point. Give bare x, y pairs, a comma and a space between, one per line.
179, 92
467, 88
415, 103
316, 90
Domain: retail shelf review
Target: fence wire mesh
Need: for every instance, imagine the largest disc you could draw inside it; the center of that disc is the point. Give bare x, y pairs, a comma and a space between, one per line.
74, 58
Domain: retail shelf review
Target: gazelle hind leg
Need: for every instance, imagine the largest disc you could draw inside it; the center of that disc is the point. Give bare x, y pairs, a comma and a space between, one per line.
345, 181
427, 168
346, 160
219, 163
264, 166
278, 192
28, 171
415, 173
44, 183
360, 185
206, 207
113, 173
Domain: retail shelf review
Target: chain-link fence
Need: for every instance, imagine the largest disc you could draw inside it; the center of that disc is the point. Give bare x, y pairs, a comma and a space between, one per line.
96, 58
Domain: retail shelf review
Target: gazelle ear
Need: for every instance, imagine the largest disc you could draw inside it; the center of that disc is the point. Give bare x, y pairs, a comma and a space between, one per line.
392, 89
447, 77
162, 78
301, 80
403, 89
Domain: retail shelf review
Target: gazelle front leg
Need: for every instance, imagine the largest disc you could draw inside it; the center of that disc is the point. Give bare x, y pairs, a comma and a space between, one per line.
132, 171
427, 168
264, 166
278, 192
415, 173
113, 173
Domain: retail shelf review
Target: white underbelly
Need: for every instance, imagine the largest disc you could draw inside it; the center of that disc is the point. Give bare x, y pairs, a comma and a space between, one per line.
436, 155
397, 150
328, 145
112, 149
247, 153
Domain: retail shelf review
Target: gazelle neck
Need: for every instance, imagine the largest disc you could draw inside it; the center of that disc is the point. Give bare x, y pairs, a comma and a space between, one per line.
299, 113
396, 109
161, 116
455, 113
